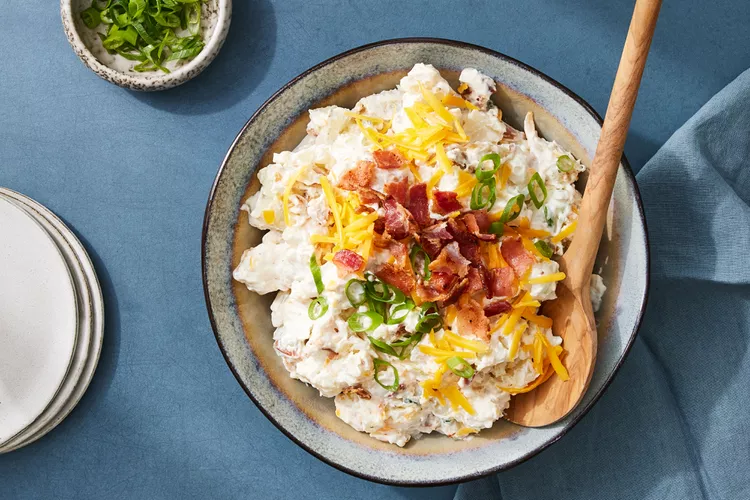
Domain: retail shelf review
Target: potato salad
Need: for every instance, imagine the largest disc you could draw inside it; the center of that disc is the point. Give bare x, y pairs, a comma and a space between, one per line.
410, 243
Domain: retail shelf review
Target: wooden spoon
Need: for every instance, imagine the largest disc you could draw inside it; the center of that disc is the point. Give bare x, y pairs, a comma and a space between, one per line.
571, 312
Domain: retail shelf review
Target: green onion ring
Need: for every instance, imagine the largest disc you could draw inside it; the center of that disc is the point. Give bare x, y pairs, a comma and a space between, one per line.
415, 252
318, 307
460, 367
393, 312
509, 213
427, 322
482, 174
479, 200
353, 294
544, 248
537, 179
565, 164
497, 228
356, 321
381, 364
381, 346
315, 270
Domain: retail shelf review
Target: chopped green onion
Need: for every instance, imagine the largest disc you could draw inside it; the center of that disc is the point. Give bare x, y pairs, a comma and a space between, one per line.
355, 292
484, 174
382, 292
318, 307
315, 270
550, 220
544, 248
497, 228
381, 346
536, 179
460, 367
397, 313
144, 30
483, 195
415, 252
565, 164
427, 322
384, 365
412, 339
364, 321
91, 17
510, 212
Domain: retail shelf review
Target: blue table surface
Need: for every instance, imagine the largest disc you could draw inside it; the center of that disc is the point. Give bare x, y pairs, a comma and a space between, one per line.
130, 173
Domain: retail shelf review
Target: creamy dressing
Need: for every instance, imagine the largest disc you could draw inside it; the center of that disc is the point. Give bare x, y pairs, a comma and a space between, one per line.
325, 352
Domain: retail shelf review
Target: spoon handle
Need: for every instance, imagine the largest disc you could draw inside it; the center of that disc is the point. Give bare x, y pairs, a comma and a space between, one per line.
603, 171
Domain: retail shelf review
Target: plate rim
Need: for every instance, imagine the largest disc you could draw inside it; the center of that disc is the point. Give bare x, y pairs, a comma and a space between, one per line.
584, 409
96, 318
76, 325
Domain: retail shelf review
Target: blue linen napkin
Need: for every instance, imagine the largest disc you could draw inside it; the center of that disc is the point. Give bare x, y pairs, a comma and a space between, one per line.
675, 422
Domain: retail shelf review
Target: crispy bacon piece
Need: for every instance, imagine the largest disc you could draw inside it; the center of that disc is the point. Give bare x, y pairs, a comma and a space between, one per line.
446, 202
400, 277
467, 242
439, 288
389, 159
471, 319
356, 390
497, 307
370, 196
358, 177
348, 262
470, 221
456, 292
398, 221
483, 220
419, 205
450, 261
502, 282
399, 190
475, 283
438, 231
516, 255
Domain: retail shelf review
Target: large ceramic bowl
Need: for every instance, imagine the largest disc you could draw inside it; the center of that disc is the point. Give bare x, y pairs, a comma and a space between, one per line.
241, 319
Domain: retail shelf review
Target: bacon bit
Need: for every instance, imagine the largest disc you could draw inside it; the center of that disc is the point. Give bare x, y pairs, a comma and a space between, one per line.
470, 221
451, 261
388, 159
483, 220
502, 282
356, 390
398, 250
369, 196
497, 307
516, 255
446, 201
400, 277
399, 190
471, 320
399, 223
358, 177
440, 287
363, 209
348, 262
419, 205
285, 352
476, 282
455, 293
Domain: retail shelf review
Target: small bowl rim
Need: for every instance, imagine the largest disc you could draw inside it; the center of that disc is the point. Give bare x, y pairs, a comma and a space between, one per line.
149, 80
585, 409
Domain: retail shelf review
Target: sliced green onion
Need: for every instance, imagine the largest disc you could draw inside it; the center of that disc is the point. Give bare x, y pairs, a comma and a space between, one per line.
483, 195
382, 292
485, 174
318, 307
384, 365
550, 220
404, 344
397, 313
315, 270
460, 367
565, 164
536, 179
544, 248
497, 228
432, 321
91, 17
364, 321
381, 346
355, 292
414, 254
510, 212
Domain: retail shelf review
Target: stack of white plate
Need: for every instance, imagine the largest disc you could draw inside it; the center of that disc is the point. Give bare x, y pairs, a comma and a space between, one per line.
51, 320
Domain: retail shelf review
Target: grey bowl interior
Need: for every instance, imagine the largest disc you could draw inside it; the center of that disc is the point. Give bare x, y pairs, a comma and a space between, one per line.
241, 319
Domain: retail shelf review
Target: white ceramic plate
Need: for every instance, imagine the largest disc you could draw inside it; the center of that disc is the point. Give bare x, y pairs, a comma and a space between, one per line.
91, 323
38, 320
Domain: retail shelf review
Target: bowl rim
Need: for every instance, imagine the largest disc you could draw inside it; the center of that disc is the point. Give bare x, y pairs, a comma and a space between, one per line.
149, 80
585, 409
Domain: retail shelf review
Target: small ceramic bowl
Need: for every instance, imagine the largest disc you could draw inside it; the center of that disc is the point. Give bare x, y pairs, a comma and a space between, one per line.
242, 321
216, 16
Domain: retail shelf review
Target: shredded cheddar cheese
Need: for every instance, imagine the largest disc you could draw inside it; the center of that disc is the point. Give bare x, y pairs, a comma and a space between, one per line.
554, 360
269, 216
565, 232
472, 345
287, 192
457, 399
542, 321
547, 278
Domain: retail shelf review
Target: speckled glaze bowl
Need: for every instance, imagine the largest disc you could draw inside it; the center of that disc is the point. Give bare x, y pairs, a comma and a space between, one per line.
241, 319
216, 16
